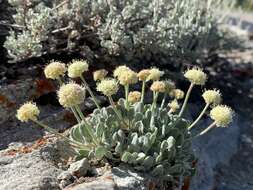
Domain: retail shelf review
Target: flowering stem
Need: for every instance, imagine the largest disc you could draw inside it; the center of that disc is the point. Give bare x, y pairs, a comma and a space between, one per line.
76, 115
155, 96
53, 131
90, 92
207, 129
116, 111
143, 90
87, 125
163, 101
199, 117
126, 96
186, 100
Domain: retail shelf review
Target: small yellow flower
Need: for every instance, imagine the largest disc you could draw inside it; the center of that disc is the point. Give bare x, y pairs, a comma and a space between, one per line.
177, 93
28, 111
158, 86
212, 97
170, 86
222, 115
134, 97
71, 94
118, 71
174, 106
155, 74
108, 87
196, 76
55, 70
77, 68
128, 77
143, 74
99, 74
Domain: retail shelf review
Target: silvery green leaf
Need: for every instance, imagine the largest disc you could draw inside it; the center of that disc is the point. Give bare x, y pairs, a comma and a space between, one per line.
100, 152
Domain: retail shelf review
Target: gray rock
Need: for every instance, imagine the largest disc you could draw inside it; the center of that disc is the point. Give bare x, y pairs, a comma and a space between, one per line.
101, 184
64, 176
79, 168
127, 179
28, 172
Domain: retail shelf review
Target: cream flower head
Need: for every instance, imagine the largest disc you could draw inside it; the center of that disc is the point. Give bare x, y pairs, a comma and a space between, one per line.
28, 111
134, 97
173, 105
128, 77
155, 74
108, 87
212, 97
196, 76
158, 86
143, 74
55, 70
178, 94
118, 71
222, 115
99, 74
71, 94
77, 68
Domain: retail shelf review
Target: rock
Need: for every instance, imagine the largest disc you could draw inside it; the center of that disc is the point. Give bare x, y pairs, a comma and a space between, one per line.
28, 172
122, 178
126, 178
101, 184
79, 168
65, 176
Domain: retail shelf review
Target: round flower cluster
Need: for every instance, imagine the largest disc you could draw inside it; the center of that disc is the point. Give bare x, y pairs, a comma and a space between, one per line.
77, 68
28, 111
155, 74
158, 86
70, 95
178, 94
55, 70
174, 106
222, 115
212, 97
99, 74
196, 76
108, 87
143, 74
128, 77
134, 97
118, 71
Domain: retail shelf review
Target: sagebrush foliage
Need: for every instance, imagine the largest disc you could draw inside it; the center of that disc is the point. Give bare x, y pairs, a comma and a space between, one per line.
127, 29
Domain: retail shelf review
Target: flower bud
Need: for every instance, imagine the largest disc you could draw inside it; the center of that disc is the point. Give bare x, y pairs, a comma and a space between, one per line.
143, 74
55, 70
77, 68
222, 115
128, 77
100, 74
174, 106
28, 111
155, 74
158, 86
134, 97
108, 87
70, 95
212, 97
196, 76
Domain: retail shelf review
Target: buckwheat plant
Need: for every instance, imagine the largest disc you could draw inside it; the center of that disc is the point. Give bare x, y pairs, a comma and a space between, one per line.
149, 137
